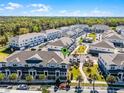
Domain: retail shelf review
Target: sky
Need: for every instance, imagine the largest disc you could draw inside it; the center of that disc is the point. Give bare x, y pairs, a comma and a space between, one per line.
83, 8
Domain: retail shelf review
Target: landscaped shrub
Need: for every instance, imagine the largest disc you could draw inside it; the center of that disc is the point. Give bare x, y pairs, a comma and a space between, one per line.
86, 64
88, 70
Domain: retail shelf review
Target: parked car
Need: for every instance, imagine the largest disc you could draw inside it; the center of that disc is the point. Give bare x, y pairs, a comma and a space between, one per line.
22, 87
62, 86
9, 87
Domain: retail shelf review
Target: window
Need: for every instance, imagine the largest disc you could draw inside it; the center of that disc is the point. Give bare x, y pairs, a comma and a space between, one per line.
46, 73
14, 65
112, 67
63, 66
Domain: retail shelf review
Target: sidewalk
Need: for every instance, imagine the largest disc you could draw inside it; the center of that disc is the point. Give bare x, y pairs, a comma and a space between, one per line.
2, 90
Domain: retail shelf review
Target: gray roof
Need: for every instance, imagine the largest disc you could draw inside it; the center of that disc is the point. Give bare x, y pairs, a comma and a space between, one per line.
102, 27
51, 31
64, 41
113, 59
45, 56
104, 44
114, 36
27, 36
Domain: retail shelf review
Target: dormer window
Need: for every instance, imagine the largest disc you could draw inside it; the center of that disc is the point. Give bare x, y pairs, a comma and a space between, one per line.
26, 65
14, 65
3, 65
112, 68
35, 59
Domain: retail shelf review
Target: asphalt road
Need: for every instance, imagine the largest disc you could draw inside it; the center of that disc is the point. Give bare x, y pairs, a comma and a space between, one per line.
2, 90
87, 90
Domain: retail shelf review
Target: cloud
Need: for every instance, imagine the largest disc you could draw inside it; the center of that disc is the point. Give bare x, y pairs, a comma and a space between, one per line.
96, 12
12, 6
40, 8
69, 13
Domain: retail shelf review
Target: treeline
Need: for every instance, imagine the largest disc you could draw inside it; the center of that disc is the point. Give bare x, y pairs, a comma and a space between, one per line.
12, 26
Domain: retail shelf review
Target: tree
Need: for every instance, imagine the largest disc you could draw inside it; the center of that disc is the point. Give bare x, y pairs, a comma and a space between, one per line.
79, 79
42, 76
93, 78
36, 28
68, 82
111, 79
88, 70
81, 40
58, 82
2, 76
29, 78
13, 76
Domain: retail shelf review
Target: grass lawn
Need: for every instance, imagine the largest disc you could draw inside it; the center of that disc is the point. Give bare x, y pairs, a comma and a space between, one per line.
88, 84
3, 53
75, 71
95, 71
81, 50
92, 35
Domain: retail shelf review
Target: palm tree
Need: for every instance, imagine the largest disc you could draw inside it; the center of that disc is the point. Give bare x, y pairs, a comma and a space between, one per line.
2, 76
111, 79
93, 78
81, 40
42, 76
13, 76
58, 82
29, 78
79, 79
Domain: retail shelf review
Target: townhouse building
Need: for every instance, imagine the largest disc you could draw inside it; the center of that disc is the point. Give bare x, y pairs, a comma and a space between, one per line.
64, 42
53, 34
112, 64
35, 63
22, 42
120, 29
100, 28
116, 39
101, 47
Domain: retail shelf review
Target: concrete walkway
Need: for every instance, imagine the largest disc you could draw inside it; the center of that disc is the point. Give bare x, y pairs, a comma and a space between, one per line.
82, 73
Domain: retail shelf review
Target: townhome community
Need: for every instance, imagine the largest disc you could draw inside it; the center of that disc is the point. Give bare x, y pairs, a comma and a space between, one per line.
53, 54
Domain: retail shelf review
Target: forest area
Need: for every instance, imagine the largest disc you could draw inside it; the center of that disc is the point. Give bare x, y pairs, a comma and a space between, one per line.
12, 26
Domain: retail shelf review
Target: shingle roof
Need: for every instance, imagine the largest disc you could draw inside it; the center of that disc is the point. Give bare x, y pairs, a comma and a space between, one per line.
51, 30
27, 36
114, 36
46, 56
64, 41
104, 44
113, 59
104, 27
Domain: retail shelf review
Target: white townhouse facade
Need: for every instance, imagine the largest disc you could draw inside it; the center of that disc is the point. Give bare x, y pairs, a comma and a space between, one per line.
112, 64
101, 47
35, 63
100, 28
53, 34
27, 40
